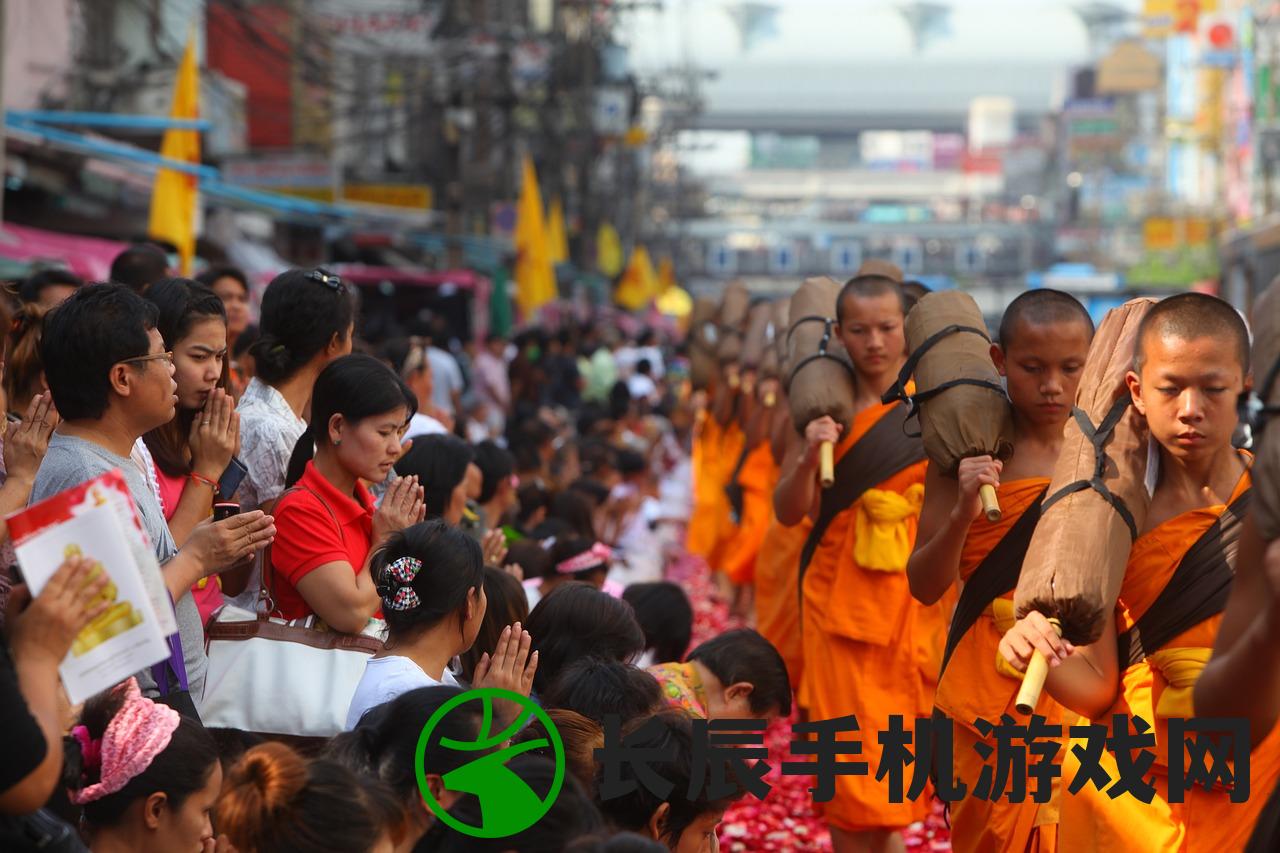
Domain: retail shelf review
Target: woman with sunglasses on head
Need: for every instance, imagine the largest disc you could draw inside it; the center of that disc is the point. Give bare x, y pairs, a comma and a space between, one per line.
327, 527
307, 321
190, 453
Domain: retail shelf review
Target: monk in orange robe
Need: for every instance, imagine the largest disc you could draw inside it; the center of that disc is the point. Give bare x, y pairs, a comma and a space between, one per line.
1043, 343
1190, 367
777, 579
859, 624
717, 447
753, 482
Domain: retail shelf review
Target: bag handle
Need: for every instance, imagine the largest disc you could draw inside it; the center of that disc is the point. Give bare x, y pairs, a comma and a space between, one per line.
264, 589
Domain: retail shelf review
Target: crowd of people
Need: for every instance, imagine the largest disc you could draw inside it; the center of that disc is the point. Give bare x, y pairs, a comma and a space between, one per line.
438, 514
489, 516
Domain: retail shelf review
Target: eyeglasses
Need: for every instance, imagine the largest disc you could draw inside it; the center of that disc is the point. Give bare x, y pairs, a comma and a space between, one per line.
328, 279
142, 359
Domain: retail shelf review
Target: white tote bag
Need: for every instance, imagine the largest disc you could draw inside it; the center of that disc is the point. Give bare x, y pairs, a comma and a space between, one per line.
282, 677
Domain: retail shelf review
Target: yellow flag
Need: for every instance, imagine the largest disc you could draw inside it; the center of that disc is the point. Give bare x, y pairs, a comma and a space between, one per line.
534, 273
556, 233
608, 250
639, 284
173, 198
672, 300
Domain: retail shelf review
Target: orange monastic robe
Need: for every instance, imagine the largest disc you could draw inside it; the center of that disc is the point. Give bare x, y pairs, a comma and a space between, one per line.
757, 478
715, 452
778, 592
1207, 821
861, 631
973, 688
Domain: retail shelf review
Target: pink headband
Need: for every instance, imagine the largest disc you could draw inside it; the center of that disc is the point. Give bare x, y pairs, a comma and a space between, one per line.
135, 736
598, 554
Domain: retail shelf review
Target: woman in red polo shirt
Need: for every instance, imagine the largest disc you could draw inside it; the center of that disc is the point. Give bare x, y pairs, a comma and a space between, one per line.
326, 524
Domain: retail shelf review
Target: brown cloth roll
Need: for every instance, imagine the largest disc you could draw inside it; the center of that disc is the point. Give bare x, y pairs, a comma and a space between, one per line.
884, 269
732, 321
820, 375
1098, 498
756, 340
702, 342
778, 363
962, 405
1266, 437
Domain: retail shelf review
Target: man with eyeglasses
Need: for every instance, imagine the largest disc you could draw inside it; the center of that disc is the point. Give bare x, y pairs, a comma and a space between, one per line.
112, 381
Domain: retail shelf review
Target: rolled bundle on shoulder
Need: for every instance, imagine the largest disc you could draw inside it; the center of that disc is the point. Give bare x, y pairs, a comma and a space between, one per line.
884, 269
702, 342
732, 322
820, 378
757, 337
781, 315
1266, 438
1098, 497
962, 405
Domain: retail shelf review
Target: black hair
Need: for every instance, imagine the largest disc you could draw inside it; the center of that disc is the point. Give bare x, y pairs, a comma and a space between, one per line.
533, 559
496, 465
245, 340
743, 655
533, 496
644, 367
452, 567
299, 318
663, 610
275, 799
630, 462
596, 455
214, 274
574, 508
33, 285
619, 842
84, 337
356, 387
667, 736
180, 304
590, 416
440, 462
869, 287
1187, 316
383, 742
527, 441
596, 491
576, 620
506, 603
572, 815
1041, 307
619, 400
182, 768
140, 266
594, 687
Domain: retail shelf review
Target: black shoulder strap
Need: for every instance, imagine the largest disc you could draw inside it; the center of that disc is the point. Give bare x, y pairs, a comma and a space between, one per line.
733, 489
994, 576
829, 326
898, 391
881, 452
1098, 435
1197, 590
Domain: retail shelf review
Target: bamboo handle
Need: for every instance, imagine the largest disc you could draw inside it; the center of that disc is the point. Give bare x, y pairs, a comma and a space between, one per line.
990, 505
828, 464
1033, 679
770, 399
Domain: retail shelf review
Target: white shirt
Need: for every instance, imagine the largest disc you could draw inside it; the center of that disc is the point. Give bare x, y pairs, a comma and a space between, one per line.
421, 424
641, 387
268, 432
446, 378
386, 678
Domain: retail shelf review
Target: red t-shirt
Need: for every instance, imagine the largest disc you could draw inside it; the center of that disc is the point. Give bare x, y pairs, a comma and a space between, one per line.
316, 524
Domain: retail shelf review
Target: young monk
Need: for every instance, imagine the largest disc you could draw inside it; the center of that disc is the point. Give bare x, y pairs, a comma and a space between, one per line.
1043, 343
750, 493
1190, 366
859, 623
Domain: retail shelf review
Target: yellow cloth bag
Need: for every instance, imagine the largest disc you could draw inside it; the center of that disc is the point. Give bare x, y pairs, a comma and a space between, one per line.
882, 533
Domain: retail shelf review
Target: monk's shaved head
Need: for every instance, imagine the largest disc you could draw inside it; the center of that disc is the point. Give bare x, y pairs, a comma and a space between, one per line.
1189, 316
869, 287
1042, 307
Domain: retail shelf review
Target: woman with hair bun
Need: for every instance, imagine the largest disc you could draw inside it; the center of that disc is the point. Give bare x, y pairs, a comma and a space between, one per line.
150, 776
275, 800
